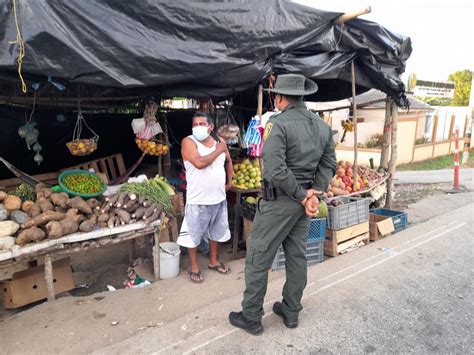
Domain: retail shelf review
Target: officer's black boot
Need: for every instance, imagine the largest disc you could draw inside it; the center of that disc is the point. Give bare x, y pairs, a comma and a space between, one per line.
279, 312
238, 320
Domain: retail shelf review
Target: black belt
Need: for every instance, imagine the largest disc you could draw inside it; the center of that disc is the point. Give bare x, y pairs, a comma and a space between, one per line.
306, 185
280, 192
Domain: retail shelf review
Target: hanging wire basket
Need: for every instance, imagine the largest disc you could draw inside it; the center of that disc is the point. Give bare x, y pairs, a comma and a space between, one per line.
154, 146
82, 146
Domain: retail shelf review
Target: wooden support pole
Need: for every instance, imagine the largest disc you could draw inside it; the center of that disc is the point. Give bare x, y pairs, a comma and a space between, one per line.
48, 277
393, 157
167, 156
352, 15
354, 115
260, 101
386, 136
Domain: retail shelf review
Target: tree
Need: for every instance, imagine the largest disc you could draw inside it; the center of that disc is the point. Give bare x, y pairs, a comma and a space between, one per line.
462, 79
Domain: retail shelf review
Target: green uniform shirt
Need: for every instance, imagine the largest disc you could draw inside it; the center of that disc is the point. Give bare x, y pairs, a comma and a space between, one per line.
298, 148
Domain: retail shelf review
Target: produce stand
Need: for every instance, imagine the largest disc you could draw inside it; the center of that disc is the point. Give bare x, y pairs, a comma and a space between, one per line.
75, 243
238, 217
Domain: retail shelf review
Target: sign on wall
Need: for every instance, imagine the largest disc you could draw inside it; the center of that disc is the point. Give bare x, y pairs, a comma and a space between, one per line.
434, 89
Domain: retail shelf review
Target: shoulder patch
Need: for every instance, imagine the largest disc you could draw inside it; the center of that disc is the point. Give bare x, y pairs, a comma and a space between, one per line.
268, 129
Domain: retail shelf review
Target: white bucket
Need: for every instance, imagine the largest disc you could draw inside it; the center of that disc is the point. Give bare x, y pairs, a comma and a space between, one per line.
169, 260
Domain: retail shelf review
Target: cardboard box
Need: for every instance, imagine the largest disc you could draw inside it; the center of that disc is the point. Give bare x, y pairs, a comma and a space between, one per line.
247, 230
29, 285
380, 226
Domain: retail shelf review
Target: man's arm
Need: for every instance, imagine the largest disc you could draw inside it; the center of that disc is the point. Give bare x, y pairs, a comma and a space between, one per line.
190, 153
327, 166
275, 164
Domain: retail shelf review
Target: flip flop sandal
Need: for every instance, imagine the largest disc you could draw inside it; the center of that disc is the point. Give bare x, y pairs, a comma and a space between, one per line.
197, 275
218, 268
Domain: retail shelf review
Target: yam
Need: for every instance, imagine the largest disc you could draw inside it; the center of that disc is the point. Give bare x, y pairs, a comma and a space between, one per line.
12, 203
139, 212
153, 217
80, 204
40, 186
45, 192
102, 225
60, 199
124, 216
25, 206
93, 203
6, 242
132, 196
8, 228
105, 207
44, 218
103, 218
61, 228
45, 205
88, 225
33, 234
19, 217
3, 195
131, 206
141, 200
34, 210
3, 213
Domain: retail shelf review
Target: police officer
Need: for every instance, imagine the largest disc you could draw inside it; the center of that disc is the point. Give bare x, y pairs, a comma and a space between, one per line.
298, 163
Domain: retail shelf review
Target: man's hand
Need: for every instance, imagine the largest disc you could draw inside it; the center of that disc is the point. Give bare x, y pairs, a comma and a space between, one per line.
221, 147
311, 206
228, 186
310, 193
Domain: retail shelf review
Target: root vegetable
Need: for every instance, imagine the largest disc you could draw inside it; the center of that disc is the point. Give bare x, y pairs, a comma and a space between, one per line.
40, 186
3, 213
93, 203
45, 192
131, 206
132, 196
45, 205
103, 218
19, 217
124, 216
25, 206
150, 210
12, 203
3, 195
102, 225
59, 199
44, 218
30, 235
111, 221
154, 216
61, 228
80, 204
6, 242
139, 212
105, 207
141, 200
34, 210
121, 199
113, 199
8, 228
88, 225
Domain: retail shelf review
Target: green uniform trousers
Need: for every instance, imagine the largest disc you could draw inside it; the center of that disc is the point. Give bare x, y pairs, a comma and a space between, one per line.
282, 221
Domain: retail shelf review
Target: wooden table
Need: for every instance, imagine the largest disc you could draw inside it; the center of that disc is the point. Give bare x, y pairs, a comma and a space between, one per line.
74, 243
238, 216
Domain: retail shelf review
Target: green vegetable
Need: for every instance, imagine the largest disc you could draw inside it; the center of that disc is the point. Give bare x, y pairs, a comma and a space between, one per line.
25, 192
161, 181
86, 184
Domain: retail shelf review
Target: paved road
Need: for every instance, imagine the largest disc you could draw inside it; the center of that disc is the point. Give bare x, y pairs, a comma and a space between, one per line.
416, 296
466, 177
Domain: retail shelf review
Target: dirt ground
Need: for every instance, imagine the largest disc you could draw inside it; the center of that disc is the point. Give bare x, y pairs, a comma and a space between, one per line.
85, 319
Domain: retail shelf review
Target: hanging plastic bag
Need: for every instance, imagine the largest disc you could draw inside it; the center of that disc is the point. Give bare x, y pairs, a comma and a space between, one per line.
82, 146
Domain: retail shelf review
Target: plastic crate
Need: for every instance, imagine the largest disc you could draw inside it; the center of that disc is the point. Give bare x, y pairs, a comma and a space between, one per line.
400, 219
353, 211
317, 229
314, 254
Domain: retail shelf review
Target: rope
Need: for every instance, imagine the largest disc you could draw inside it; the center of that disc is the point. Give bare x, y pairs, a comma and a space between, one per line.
33, 109
21, 52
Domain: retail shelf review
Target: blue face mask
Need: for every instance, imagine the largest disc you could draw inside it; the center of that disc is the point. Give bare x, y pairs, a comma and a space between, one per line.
200, 133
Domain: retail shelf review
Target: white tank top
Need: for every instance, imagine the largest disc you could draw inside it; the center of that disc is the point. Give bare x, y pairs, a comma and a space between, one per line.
205, 186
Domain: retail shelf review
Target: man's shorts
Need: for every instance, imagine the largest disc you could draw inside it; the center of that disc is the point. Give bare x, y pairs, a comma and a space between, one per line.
204, 220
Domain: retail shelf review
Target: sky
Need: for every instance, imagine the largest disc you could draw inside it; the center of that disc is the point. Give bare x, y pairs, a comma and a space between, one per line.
441, 31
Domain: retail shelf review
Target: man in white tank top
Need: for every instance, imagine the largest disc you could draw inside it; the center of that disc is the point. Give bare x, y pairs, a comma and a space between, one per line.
209, 174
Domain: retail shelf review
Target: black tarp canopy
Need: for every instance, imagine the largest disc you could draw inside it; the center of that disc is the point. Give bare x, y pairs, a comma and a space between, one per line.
196, 48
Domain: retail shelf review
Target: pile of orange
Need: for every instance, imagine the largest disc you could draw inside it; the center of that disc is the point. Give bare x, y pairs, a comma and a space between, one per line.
82, 147
152, 148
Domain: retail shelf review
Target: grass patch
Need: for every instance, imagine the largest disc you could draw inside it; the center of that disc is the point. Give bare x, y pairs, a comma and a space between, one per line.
444, 162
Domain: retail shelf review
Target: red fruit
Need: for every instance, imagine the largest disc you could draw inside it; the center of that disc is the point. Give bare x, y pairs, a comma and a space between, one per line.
348, 164
349, 173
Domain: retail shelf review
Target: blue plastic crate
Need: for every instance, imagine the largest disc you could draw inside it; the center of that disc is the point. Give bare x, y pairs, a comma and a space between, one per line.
317, 229
314, 254
400, 219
